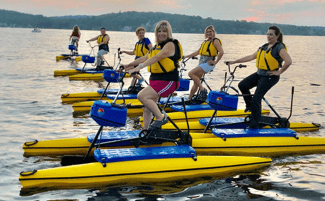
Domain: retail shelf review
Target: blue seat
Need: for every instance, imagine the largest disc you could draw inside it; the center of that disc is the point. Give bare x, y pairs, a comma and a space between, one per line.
130, 154
222, 101
106, 114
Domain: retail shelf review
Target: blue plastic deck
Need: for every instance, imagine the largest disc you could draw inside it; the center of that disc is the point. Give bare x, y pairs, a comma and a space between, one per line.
235, 122
115, 135
131, 154
271, 132
110, 91
126, 96
189, 108
171, 100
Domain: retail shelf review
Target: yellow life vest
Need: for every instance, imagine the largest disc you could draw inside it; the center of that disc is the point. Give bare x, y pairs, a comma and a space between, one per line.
101, 38
166, 64
140, 48
265, 60
208, 48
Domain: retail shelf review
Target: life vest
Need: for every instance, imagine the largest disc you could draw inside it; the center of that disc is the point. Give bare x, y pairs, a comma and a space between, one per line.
75, 33
265, 60
208, 48
100, 39
167, 64
141, 48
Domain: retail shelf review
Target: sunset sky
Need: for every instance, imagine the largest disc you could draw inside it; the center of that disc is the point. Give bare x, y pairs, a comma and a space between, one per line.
296, 12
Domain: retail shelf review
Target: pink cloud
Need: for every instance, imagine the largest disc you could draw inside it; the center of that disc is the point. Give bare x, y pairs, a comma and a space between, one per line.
251, 19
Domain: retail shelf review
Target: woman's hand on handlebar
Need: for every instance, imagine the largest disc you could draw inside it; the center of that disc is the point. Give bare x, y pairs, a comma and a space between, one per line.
229, 62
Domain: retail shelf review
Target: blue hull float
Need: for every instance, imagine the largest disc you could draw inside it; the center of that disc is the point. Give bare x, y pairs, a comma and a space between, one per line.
130, 154
239, 133
190, 108
224, 122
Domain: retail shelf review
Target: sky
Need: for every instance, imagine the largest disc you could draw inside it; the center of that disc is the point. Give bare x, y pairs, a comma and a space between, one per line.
295, 12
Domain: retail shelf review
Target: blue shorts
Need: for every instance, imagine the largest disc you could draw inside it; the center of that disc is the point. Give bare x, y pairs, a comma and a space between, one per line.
206, 67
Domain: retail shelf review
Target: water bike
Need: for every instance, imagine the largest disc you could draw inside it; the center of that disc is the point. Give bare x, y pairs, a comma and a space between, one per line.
92, 96
141, 163
73, 55
243, 142
84, 73
199, 124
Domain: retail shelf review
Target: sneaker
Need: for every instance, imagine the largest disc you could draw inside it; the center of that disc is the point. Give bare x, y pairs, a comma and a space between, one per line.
202, 95
158, 124
247, 109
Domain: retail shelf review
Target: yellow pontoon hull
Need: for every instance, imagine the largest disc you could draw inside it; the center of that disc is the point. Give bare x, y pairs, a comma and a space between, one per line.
206, 143
195, 126
145, 171
196, 115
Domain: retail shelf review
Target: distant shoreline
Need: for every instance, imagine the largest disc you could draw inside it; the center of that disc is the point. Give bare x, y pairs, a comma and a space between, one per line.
129, 21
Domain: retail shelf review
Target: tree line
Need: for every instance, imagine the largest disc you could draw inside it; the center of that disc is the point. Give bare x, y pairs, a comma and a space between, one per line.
129, 21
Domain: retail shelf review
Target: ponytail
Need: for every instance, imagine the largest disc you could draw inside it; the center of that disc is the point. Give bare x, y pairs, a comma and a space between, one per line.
277, 33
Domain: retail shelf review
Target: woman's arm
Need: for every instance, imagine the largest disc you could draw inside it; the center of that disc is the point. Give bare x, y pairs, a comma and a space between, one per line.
135, 62
192, 54
287, 62
150, 46
244, 59
217, 44
128, 52
167, 51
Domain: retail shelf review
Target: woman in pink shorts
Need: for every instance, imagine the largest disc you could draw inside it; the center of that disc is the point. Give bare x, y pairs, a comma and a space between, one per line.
162, 62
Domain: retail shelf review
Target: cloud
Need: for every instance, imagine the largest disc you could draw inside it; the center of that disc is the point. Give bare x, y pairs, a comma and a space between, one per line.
251, 19
286, 11
272, 11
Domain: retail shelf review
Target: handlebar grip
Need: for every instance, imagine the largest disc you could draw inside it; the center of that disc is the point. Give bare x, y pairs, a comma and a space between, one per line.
242, 66
194, 58
121, 67
227, 63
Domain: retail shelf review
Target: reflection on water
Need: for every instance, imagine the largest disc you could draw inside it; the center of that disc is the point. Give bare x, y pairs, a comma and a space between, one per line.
31, 109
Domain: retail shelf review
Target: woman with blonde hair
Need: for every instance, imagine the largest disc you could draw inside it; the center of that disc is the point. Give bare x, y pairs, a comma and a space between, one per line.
162, 62
141, 48
75, 36
209, 50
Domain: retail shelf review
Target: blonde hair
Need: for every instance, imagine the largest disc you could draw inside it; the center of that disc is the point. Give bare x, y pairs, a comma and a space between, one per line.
139, 29
206, 29
163, 25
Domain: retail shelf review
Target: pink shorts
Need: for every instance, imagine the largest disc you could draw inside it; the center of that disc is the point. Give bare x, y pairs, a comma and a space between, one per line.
164, 88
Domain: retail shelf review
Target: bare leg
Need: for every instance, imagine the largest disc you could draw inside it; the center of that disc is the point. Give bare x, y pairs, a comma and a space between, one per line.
193, 91
196, 75
148, 97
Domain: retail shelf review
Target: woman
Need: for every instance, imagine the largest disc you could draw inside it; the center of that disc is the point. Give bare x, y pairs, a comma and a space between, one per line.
210, 48
142, 47
269, 60
162, 62
75, 36
102, 41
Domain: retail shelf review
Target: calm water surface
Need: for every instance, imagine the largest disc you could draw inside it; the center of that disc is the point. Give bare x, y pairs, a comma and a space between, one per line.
31, 108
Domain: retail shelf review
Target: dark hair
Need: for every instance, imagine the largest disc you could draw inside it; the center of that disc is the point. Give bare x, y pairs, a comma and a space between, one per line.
277, 33
102, 28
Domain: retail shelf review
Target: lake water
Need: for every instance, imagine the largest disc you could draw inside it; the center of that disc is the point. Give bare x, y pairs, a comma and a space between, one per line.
31, 108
